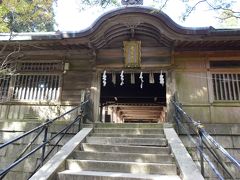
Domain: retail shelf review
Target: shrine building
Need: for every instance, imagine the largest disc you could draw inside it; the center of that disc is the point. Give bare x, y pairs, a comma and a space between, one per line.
130, 61
128, 70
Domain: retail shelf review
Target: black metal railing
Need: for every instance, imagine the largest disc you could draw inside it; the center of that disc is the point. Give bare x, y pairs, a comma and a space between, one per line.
43, 129
206, 145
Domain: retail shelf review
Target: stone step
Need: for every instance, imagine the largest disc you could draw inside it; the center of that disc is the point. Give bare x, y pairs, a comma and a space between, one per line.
124, 149
129, 130
119, 166
126, 140
87, 175
129, 125
126, 157
128, 135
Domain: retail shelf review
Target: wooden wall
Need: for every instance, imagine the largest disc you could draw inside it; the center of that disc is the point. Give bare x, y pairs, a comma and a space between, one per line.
77, 78
151, 57
74, 81
188, 75
194, 87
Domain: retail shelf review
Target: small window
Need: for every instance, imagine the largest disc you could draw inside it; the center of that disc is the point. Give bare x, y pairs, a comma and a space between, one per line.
224, 64
36, 87
4, 87
40, 67
37, 81
226, 87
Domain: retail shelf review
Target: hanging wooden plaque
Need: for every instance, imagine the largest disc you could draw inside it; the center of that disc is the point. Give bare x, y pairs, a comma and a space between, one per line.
132, 53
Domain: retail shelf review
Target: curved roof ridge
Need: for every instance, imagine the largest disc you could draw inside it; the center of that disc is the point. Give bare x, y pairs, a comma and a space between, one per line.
155, 13
137, 9
140, 9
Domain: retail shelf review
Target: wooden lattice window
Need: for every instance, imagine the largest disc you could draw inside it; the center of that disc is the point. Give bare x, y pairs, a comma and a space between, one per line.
36, 87
4, 87
225, 64
40, 67
226, 87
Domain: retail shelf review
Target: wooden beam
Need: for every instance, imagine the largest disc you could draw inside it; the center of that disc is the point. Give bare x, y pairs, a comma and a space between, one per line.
136, 111
80, 52
140, 117
194, 53
146, 52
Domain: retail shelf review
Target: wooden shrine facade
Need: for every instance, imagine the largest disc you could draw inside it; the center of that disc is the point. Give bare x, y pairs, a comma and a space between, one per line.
201, 66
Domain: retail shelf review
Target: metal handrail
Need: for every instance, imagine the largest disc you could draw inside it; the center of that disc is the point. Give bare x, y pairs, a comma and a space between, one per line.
198, 129
200, 149
42, 127
65, 130
218, 146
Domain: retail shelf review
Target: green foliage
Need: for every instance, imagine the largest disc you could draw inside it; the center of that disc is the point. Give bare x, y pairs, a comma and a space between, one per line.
223, 8
26, 15
227, 19
85, 4
38, 15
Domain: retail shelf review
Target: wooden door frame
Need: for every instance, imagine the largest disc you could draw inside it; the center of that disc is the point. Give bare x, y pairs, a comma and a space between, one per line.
96, 91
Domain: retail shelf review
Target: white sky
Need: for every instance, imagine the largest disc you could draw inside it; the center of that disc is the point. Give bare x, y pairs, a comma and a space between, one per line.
69, 17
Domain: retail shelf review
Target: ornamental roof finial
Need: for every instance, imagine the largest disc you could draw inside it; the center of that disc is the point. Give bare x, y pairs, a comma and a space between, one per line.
132, 2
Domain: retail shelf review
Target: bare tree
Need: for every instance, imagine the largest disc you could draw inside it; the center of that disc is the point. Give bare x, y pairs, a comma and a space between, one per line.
9, 55
224, 8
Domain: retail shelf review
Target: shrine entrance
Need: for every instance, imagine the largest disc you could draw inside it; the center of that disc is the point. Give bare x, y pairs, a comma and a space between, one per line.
133, 97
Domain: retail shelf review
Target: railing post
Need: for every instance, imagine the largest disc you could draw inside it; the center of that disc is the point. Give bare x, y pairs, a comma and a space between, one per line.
80, 115
44, 141
176, 120
201, 153
177, 116
79, 122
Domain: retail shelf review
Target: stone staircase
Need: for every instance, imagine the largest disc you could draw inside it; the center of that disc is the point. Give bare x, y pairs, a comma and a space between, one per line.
122, 151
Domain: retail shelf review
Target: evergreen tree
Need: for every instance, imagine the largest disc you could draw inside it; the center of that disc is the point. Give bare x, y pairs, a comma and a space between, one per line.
26, 15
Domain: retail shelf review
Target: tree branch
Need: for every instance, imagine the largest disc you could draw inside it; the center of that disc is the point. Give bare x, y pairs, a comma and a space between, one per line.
192, 9
164, 4
6, 60
105, 3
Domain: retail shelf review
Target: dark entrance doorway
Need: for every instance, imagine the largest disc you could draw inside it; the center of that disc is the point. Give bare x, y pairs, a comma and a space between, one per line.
130, 102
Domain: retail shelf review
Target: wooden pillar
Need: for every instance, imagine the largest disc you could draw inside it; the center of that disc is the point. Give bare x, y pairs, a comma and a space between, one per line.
170, 92
103, 114
95, 96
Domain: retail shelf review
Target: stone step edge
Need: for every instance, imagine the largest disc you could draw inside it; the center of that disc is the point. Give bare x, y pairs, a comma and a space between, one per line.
126, 134
118, 162
161, 128
123, 157
126, 146
134, 149
113, 135
169, 154
124, 153
129, 123
126, 167
132, 138
118, 174
128, 127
